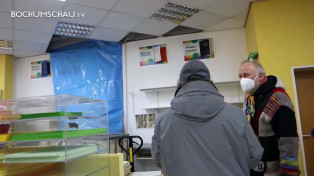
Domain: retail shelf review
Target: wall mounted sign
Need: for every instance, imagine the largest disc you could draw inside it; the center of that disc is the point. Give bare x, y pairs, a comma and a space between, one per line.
40, 69
145, 120
198, 49
152, 55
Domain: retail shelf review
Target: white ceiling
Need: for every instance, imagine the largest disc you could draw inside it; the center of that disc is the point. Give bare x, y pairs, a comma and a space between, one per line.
114, 19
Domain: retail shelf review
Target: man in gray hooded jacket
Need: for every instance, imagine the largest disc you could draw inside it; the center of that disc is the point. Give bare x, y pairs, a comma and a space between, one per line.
201, 135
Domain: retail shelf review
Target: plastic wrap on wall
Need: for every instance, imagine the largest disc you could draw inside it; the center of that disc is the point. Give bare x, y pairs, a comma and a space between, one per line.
91, 69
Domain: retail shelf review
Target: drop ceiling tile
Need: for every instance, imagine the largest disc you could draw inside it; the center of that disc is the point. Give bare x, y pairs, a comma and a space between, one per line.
142, 8
242, 15
242, 18
19, 53
6, 34
107, 34
38, 5
91, 16
106, 5
154, 27
199, 4
203, 20
228, 24
35, 24
121, 21
28, 36
180, 30
6, 5
5, 20
229, 7
5, 51
133, 36
29, 46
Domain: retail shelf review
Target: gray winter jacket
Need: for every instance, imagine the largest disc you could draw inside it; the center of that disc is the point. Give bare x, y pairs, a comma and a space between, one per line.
201, 135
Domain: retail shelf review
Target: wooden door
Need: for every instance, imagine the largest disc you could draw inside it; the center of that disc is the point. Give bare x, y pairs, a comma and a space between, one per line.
305, 91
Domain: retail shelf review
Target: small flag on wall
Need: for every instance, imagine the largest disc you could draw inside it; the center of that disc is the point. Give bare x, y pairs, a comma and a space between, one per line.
152, 55
198, 49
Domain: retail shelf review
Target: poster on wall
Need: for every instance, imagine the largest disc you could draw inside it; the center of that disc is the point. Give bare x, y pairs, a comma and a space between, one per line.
40, 69
198, 49
145, 120
152, 55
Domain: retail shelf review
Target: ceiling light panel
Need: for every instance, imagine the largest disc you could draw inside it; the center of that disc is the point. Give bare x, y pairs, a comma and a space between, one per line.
174, 13
199, 4
73, 30
7, 45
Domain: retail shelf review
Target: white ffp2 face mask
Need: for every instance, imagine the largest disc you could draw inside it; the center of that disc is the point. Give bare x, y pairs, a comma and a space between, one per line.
247, 84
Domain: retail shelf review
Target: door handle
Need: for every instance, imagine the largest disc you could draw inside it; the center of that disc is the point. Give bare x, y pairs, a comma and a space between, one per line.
309, 135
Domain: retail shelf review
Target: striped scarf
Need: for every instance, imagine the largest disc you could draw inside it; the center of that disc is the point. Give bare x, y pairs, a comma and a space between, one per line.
250, 105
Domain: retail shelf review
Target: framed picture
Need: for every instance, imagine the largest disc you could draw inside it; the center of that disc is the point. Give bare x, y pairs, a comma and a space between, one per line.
198, 49
145, 120
40, 69
152, 55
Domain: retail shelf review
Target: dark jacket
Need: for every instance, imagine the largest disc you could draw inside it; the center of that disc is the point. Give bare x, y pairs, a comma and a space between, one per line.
275, 125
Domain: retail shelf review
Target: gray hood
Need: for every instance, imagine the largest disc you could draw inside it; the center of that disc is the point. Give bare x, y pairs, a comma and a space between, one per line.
197, 101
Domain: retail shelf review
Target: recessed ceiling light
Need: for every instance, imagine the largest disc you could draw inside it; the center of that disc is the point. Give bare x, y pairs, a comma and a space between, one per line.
73, 29
4, 44
174, 13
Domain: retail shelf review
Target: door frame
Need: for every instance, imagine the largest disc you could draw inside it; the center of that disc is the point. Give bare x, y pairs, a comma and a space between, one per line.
293, 69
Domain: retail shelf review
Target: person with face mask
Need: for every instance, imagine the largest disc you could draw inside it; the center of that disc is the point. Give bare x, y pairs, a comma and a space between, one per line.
201, 134
270, 111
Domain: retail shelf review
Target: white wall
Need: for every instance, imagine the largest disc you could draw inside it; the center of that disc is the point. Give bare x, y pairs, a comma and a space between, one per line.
24, 86
229, 48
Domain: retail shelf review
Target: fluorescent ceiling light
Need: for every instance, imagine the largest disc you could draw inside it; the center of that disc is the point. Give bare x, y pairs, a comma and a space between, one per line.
174, 13
73, 30
4, 44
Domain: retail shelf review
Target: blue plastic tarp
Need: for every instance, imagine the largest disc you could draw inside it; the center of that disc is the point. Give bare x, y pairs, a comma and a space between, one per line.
91, 69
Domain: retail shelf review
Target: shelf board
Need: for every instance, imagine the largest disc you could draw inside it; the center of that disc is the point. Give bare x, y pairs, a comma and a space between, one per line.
164, 107
155, 89
144, 158
152, 108
168, 88
235, 102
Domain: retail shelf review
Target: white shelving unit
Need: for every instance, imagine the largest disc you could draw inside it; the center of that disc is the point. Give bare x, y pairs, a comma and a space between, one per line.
158, 89
152, 108
160, 97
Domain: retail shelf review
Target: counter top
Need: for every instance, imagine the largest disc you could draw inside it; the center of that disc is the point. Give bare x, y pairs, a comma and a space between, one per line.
149, 173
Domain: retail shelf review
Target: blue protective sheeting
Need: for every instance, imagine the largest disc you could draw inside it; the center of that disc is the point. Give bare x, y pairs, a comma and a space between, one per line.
91, 69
